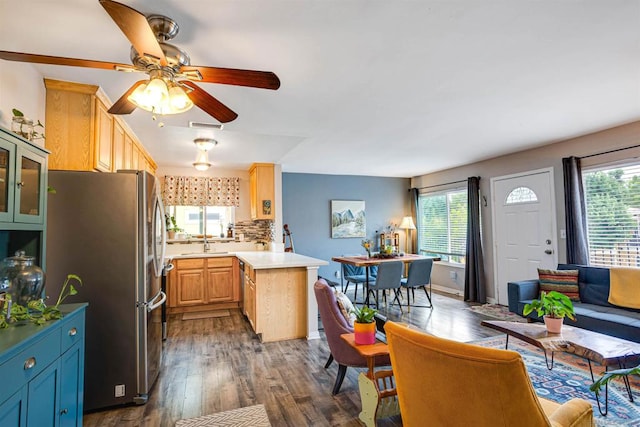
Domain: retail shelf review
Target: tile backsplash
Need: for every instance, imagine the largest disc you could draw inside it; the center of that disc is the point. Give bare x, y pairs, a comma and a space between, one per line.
256, 231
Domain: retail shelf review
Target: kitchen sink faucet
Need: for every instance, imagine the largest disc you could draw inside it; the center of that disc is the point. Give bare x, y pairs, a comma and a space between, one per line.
206, 244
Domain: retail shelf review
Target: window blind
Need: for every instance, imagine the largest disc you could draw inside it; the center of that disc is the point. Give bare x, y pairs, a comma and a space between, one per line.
612, 199
442, 224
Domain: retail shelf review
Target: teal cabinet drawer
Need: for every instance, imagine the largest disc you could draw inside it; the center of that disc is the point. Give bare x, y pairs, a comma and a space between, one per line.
23, 367
71, 331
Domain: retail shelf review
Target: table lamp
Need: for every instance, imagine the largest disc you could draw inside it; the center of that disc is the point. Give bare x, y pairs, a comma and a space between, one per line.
408, 225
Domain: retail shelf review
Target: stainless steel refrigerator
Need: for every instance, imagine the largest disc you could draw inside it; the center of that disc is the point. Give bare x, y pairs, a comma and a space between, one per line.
108, 228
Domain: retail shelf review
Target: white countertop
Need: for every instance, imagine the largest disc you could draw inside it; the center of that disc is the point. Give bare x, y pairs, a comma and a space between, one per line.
259, 260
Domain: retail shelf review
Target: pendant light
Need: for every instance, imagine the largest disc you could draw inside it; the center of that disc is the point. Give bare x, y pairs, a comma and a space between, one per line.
202, 159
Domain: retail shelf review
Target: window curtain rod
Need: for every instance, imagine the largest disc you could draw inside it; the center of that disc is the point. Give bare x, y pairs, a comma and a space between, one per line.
444, 183
609, 152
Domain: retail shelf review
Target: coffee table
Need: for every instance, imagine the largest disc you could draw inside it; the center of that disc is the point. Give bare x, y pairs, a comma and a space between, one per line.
592, 346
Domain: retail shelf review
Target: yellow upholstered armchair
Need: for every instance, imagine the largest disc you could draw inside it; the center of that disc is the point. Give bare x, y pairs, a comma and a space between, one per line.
442, 382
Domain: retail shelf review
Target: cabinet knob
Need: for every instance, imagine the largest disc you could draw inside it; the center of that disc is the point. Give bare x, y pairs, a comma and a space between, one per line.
29, 363
64, 411
20, 184
73, 331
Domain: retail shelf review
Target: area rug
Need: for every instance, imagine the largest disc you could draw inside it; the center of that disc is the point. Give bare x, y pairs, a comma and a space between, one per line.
570, 378
496, 311
251, 416
205, 314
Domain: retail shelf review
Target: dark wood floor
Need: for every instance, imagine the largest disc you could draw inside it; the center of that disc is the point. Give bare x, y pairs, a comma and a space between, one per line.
217, 364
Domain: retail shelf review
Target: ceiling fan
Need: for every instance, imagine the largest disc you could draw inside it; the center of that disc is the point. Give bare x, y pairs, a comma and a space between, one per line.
171, 86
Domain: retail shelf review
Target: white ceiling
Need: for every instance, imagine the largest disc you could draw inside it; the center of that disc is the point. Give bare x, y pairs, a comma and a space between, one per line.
369, 87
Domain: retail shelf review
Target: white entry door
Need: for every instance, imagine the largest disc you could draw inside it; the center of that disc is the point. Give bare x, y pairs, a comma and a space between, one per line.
524, 227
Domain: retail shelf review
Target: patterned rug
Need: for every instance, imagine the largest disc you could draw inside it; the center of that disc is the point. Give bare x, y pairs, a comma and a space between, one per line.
251, 416
205, 314
570, 378
495, 311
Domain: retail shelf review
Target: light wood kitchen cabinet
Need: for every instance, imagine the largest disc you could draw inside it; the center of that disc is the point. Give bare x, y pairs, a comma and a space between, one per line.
135, 157
82, 135
128, 151
103, 138
249, 302
262, 191
275, 302
197, 284
118, 145
190, 282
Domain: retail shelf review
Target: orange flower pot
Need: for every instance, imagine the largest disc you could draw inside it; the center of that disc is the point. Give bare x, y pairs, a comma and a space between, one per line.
365, 333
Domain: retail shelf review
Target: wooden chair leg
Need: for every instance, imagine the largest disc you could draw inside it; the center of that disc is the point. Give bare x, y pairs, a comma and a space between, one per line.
329, 362
342, 370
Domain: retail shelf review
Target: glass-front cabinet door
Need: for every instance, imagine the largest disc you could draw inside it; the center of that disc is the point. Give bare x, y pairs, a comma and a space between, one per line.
7, 184
30, 187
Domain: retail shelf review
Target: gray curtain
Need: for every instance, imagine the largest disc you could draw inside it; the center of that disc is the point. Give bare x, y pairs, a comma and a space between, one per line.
575, 212
474, 283
414, 214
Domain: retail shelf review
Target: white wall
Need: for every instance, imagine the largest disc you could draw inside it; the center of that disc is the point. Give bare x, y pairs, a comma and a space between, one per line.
546, 156
21, 87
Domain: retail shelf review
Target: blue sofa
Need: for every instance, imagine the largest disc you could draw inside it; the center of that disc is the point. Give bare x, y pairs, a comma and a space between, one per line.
593, 312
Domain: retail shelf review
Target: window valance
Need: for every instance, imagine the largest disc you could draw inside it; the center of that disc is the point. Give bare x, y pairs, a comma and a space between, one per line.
200, 191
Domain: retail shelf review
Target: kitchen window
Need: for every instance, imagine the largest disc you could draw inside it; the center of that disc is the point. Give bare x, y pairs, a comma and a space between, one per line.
198, 220
612, 201
442, 225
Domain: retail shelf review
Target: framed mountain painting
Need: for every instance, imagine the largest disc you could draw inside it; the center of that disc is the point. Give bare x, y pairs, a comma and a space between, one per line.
348, 219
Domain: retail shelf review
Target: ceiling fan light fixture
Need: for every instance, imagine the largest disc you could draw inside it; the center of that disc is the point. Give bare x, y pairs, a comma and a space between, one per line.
179, 100
202, 161
161, 96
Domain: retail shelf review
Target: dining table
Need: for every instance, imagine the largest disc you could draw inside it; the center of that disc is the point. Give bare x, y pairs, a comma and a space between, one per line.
367, 262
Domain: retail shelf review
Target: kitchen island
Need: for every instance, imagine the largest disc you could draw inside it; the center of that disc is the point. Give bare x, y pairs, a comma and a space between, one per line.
277, 296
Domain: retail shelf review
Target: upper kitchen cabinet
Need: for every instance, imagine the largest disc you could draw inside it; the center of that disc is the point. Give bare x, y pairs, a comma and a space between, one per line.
23, 182
82, 135
262, 191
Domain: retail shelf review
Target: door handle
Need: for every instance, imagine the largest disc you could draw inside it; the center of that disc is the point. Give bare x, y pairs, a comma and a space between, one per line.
548, 251
155, 303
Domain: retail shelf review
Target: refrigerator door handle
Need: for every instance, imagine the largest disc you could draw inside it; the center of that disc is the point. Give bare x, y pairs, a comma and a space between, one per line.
153, 305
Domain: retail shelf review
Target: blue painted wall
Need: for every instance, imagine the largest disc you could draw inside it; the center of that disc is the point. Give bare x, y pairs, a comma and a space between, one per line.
306, 208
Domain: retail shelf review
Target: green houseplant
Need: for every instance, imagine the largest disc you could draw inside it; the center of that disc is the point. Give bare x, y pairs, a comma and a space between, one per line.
364, 326
608, 376
172, 226
553, 306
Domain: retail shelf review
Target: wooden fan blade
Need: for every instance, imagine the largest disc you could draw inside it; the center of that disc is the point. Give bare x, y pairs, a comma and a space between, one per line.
123, 105
59, 60
209, 104
134, 25
230, 76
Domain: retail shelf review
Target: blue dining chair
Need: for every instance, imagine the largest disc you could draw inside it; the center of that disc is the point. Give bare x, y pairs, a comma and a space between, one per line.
357, 276
419, 276
388, 277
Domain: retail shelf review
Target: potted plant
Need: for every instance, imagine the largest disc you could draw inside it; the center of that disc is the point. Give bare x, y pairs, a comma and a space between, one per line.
553, 306
172, 226
364, 327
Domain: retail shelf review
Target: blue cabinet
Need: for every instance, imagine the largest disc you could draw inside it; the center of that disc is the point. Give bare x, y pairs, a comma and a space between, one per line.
43, 372
23, 185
